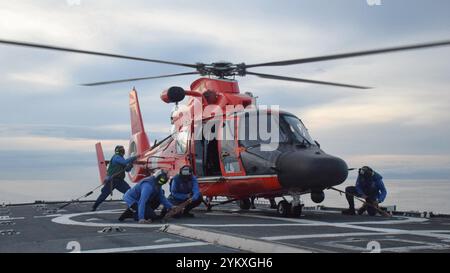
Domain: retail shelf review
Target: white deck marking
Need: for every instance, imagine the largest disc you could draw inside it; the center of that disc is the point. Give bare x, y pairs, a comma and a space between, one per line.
7, 218
414, 245
440, 234
382, 231
344, 234
314, 222
48, 216
244, 225
93, 219
65, 220
163, 240
311, 236
232, 240
142, 248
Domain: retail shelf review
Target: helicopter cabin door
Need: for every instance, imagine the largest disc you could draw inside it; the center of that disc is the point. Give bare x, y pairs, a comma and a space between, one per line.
205, 150
230, 160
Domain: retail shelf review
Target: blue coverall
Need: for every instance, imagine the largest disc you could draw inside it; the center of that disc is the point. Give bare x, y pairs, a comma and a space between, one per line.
118, 166
143, 194
182, 189
373, 188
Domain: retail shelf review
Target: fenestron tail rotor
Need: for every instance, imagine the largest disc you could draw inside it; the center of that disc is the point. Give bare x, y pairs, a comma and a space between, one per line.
224, 69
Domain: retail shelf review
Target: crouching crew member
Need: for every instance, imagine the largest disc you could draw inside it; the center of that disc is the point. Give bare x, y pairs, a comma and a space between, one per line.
369, 186
115, 179
145, 197
184, 187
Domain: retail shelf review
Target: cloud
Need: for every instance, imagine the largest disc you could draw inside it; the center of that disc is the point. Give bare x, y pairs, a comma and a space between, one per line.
411, 91
377, 110
41, 143
44, 110
52, 81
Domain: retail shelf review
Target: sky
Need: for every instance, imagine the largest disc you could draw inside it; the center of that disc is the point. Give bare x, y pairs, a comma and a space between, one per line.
49, 123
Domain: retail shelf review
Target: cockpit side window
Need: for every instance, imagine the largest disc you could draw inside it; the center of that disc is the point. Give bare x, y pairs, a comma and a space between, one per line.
252, 131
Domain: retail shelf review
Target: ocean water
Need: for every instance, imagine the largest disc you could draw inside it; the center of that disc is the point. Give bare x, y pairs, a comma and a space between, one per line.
409, 195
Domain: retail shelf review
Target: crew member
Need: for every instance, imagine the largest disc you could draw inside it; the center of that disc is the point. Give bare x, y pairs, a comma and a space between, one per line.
145, 197
184, 187
369, 186
115, 179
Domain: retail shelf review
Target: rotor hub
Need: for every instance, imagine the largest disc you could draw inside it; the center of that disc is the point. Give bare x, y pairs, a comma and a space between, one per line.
221, 69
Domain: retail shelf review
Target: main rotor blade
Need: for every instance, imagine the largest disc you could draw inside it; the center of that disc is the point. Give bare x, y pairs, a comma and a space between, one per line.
139, 79
282, 78
49, 47
351, 54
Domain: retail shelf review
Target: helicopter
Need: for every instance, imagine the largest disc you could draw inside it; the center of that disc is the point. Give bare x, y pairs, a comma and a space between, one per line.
244, 164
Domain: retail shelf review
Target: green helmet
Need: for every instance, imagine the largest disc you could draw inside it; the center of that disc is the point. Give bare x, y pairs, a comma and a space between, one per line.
161, 176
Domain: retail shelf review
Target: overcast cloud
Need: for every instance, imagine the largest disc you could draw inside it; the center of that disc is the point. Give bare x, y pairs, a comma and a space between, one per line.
49, 124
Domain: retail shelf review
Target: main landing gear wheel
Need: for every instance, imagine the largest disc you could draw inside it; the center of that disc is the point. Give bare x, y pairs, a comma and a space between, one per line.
245, 203
284, 208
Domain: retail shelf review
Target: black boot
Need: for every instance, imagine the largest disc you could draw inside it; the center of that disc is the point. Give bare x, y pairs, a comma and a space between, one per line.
362, 210
188, 214
128, 213
350, 211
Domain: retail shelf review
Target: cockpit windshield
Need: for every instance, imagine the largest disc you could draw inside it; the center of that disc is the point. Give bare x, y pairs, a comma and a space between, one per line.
298, 129
261, 128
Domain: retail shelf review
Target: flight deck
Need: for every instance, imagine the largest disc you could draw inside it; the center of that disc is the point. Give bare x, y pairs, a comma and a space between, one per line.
41, 227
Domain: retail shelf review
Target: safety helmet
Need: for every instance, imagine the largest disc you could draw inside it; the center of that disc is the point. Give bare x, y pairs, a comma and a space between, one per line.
119, 150
366, 172
161, 176
186, 171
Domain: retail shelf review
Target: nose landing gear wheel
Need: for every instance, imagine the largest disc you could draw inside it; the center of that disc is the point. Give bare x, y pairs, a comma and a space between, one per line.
284, 208
297, 211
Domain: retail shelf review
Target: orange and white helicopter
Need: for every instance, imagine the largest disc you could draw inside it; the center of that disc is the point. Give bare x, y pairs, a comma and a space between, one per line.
218, 132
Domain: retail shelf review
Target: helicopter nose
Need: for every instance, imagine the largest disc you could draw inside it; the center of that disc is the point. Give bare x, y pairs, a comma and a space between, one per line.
310, 170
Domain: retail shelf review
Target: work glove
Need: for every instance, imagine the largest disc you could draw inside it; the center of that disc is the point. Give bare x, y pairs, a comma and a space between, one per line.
189, 200
129, 167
